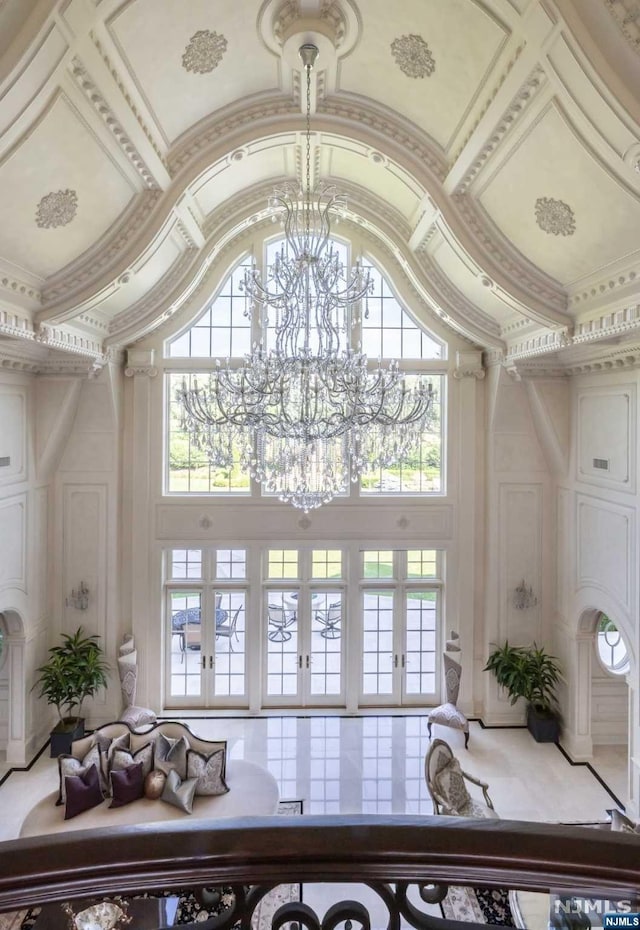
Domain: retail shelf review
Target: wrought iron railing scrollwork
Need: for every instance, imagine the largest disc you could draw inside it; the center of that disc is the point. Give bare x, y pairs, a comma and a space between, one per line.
409, 862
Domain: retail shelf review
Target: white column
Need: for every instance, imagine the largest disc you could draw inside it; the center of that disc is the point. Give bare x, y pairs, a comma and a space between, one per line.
146, 629
16, 743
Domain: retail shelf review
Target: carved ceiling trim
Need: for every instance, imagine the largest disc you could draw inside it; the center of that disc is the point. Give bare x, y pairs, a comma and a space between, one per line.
454, 302
102, 108
14, 327
489, 100
402, 134
54, 337
606, 286
127, 96
135, 317
519, 104
550, 297
14, 286
92, 264
626, 14
223, 124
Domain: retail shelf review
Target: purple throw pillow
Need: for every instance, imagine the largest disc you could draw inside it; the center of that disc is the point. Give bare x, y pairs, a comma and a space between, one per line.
127, 784
82, 792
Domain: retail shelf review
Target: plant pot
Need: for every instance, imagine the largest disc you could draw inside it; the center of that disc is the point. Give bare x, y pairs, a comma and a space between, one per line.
64, 733
544, 727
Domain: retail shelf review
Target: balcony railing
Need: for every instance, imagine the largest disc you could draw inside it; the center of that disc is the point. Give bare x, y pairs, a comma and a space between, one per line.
388, 853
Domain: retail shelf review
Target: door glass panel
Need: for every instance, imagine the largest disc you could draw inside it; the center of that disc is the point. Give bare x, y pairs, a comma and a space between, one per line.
282, 643
326, 642
230, 661
185, 644
420, 643
377, 674
186, 563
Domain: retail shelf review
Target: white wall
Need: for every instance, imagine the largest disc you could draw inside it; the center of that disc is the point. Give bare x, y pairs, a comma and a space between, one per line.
597, 560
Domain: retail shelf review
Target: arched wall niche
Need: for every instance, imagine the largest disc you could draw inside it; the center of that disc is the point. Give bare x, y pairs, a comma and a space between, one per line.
586, 664
13, 670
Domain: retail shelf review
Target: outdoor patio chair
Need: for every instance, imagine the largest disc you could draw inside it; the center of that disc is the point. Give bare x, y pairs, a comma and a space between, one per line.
330, 620
229, 629
279, 618
446, 784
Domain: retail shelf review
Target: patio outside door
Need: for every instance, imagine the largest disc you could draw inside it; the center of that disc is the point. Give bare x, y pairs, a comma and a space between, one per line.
207, 654
304, 647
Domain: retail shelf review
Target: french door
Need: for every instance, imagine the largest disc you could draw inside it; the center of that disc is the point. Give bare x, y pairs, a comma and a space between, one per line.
206, 655
304, 647
398, 646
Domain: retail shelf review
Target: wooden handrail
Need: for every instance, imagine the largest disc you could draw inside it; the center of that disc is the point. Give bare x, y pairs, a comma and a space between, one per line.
272, 850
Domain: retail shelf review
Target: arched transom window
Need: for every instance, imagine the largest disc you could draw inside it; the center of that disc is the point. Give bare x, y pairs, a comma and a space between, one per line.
227, 329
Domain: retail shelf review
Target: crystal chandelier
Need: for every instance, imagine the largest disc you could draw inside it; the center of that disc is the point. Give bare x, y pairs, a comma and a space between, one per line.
309, 411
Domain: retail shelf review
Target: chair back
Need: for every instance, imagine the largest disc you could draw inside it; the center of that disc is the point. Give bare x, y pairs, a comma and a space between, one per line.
439, 755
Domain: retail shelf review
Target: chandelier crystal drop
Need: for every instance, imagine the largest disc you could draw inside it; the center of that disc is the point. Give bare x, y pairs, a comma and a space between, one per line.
307, 411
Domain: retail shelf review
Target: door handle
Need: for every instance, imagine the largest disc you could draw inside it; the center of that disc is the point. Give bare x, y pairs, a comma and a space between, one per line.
307, 661
403, 660
210, 661
204, 661
299, 661
395, 661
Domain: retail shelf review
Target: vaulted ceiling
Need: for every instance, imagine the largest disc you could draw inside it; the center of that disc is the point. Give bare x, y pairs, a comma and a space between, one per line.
492, 145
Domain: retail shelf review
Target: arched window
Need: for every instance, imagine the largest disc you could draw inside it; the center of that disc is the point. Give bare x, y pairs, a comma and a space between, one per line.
612, 650
226, 330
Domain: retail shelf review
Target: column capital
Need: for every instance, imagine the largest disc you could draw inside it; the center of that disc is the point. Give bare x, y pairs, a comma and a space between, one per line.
469, 365
141, 362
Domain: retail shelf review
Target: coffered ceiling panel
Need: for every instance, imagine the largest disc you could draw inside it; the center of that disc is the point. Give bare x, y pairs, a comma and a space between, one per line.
60, 192
371, 171
559, 205
265, 159
190, 59
13, 15
426, 59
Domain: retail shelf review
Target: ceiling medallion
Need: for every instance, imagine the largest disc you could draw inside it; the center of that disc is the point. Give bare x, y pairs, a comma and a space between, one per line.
57, 209
413, 56
204, 51
555, 217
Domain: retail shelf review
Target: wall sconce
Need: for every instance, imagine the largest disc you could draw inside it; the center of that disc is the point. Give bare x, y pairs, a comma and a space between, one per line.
80, 598
523, 597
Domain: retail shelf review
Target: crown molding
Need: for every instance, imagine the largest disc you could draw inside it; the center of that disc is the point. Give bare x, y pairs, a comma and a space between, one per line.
90, 89
95, 268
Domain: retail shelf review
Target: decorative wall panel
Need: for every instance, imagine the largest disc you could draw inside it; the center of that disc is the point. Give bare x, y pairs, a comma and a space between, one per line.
13, 407
605, 547
399, 522
85, 554
13, 542
563, 552
606, 437
520, 560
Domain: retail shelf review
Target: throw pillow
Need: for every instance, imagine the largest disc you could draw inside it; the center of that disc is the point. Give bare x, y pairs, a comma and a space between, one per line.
178, 792
68, 765
622, 824
154, 784
171, 754
449, 785
127, 784
208, 770
82, 792
123, 758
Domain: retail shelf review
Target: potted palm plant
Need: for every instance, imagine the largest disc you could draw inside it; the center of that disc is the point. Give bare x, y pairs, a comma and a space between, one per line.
76, 669
531, 673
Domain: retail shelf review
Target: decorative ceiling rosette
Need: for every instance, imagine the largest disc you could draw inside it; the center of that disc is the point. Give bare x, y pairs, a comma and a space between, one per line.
555, 217
413, 56
57, 209
204, 51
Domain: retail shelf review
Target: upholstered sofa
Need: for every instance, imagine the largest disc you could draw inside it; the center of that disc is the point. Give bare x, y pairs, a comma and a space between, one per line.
253, 791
